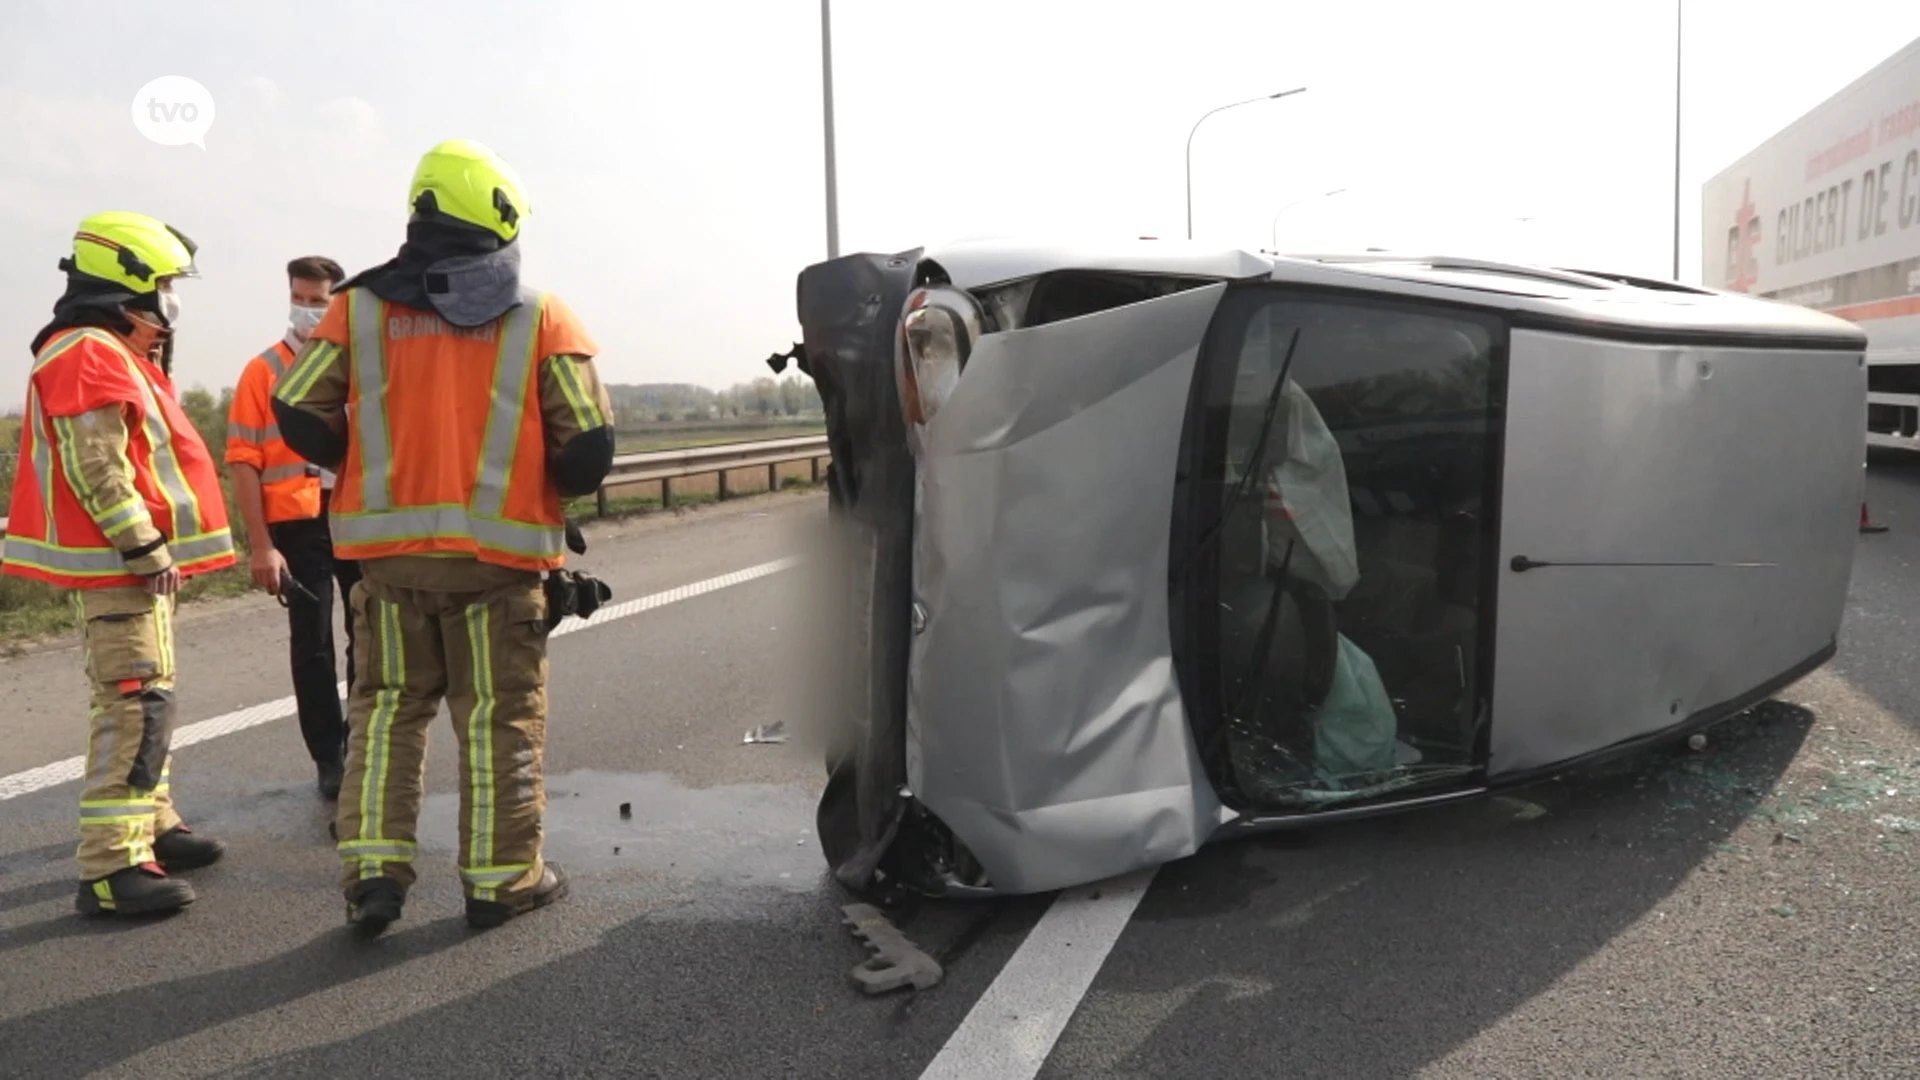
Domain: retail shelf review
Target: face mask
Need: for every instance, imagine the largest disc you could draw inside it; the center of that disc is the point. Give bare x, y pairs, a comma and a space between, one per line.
170, 308
304, 319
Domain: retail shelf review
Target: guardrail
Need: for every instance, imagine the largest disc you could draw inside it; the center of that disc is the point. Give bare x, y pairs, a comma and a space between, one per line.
663, 467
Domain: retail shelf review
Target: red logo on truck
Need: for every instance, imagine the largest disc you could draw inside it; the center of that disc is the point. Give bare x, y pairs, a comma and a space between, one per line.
1743, 240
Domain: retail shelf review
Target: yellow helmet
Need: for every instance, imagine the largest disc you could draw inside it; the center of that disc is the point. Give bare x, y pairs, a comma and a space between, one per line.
469, 182
130, 250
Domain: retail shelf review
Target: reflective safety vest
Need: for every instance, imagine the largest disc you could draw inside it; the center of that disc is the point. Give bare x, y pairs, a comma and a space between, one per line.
446, 452
289, 484
50, 535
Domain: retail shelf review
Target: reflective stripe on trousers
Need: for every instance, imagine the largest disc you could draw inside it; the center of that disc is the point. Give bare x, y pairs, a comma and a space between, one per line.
486, 653
126, 799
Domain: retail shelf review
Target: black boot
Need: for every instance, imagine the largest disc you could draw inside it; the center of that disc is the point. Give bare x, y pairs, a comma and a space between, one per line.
487, 914
373, 904
138, 890
179, 849
332, 773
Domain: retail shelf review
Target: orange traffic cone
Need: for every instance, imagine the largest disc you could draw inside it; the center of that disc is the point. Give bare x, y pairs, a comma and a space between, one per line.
1867, 524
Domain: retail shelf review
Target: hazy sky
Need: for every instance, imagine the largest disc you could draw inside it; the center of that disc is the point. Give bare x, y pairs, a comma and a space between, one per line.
673, 152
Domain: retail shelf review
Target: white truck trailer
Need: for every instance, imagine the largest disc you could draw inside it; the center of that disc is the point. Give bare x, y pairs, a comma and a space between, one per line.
1826, 214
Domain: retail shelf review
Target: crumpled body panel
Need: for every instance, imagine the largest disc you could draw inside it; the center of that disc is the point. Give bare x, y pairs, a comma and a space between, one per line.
1045, 723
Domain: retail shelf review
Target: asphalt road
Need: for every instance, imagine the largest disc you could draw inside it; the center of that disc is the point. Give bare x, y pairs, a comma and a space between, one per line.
1745, 911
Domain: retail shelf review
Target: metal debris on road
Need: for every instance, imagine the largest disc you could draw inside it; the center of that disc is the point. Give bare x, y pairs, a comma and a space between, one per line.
775, 732
895, 961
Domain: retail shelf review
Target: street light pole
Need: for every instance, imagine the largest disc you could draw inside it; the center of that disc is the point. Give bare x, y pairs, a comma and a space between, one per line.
1196, 127
1275, 228
826, 95
1678, 29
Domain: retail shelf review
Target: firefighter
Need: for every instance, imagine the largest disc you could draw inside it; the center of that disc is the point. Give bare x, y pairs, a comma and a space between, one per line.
118, 500
284, 500
458, 408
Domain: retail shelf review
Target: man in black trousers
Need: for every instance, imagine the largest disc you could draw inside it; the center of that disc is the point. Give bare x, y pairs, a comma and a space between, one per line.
283, 500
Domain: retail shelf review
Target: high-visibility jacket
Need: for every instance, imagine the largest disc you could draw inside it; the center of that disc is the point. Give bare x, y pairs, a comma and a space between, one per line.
70, 532
446, 450
289, 484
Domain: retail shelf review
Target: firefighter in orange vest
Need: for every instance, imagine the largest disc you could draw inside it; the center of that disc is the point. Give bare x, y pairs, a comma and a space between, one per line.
458, 407
284, 499
118, 499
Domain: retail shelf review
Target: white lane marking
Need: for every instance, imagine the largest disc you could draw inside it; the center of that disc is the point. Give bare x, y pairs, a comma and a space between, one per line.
62, 772
1012, 1028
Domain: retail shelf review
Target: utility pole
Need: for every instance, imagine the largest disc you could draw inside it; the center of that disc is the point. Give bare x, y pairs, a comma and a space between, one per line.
1678, 29
826, 95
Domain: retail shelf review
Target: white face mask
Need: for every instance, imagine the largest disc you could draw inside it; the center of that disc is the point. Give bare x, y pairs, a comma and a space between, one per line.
170, 308
303, 319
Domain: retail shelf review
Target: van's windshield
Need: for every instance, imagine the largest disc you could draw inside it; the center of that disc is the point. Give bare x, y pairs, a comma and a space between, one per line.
1339, 613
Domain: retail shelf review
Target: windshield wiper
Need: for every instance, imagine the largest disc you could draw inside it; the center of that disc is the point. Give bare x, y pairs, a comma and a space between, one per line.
1259, 453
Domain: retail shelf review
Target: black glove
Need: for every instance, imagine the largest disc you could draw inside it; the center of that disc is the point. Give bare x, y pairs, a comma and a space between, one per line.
570, 592
576, 540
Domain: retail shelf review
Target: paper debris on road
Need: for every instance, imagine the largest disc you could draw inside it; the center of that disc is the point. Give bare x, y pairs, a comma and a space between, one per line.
775, 732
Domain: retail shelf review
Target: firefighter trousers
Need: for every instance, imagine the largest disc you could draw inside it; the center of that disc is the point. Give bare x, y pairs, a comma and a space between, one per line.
125, 801
485, 652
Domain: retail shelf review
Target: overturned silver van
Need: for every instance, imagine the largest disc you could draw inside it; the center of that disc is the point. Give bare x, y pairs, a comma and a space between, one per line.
1146, 546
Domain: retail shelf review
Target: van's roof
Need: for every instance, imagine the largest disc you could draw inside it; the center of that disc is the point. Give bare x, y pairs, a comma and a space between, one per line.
1598, 302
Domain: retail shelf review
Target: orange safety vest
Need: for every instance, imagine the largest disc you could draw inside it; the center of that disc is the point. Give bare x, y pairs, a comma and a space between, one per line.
447, 450
50, 536
289, 484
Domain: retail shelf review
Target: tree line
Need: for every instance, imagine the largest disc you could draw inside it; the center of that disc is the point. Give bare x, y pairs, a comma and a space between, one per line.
762, 399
